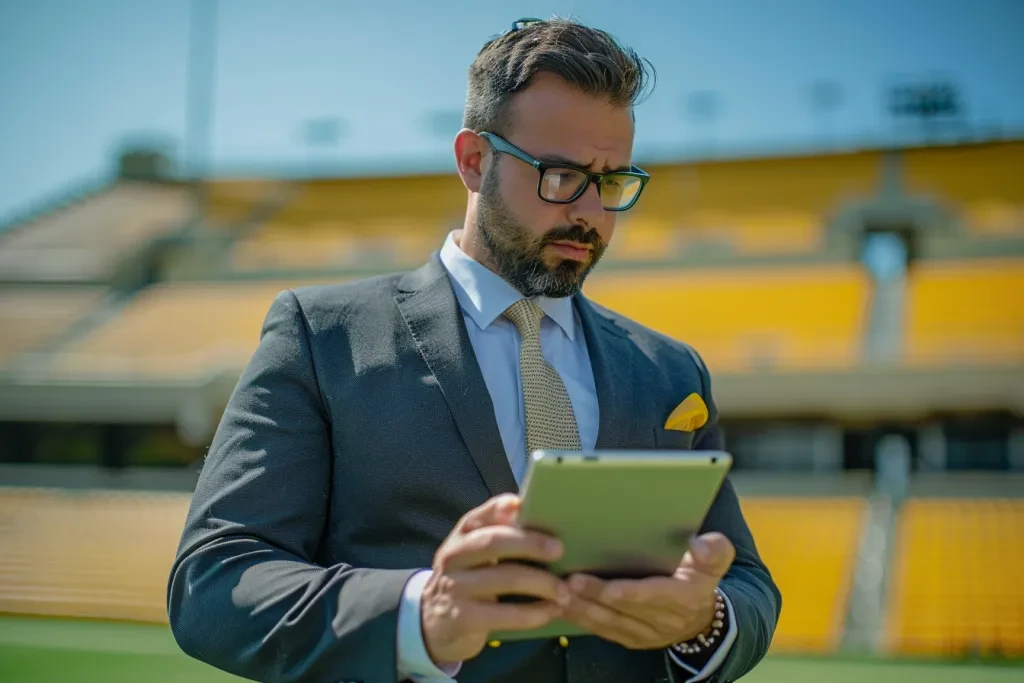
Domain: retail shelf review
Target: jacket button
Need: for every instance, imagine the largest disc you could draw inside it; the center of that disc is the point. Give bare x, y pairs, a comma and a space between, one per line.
563, 641
495, 643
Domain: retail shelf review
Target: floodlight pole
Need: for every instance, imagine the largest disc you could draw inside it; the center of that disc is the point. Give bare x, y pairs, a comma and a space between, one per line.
202, 61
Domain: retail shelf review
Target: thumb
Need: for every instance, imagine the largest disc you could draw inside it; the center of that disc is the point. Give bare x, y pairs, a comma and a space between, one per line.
711, 554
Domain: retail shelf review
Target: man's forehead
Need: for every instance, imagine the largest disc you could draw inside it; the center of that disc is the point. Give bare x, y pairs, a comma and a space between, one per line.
563, 122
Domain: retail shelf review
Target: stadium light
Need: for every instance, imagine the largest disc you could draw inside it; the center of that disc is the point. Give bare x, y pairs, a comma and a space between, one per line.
930, 105
202, 59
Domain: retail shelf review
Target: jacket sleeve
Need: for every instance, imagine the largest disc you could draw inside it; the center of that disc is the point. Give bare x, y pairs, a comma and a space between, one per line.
756, 600
246, 593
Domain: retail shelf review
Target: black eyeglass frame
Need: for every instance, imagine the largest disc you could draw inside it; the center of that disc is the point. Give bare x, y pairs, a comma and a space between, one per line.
503, 146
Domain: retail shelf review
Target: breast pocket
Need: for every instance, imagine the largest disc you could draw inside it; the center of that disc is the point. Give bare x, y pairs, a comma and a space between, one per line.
672, 439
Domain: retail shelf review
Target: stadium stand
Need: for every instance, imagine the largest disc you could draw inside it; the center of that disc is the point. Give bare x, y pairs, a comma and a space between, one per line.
119, 375
810, 546
753, 206
355, 223
957, 588
96, 554
84, 241
32, 317
965, 311
742, 326
336, 245
228, 203
173, 330
983, 182
749, 319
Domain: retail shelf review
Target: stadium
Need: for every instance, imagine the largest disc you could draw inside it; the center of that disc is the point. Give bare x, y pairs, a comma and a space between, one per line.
861, 312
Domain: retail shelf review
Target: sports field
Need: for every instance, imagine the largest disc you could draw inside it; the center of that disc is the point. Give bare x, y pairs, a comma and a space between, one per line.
63, 651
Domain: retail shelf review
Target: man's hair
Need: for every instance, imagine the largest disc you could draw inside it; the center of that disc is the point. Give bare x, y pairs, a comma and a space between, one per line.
586, 58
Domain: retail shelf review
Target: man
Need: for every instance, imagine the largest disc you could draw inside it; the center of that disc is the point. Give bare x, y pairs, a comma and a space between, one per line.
355, 518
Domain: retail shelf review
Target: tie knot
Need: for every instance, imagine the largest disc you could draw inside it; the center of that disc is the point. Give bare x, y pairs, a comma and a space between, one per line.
526, 316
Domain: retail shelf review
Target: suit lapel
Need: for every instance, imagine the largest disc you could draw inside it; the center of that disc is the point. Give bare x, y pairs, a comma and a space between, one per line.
612, 358
434, 319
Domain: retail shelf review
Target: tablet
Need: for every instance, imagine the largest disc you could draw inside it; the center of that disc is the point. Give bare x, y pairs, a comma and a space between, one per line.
619, 514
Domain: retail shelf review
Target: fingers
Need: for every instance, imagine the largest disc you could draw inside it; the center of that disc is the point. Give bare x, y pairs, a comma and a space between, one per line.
491, 544
654, 591
711, 554
490, 582
613, 625
501, 509
669, 604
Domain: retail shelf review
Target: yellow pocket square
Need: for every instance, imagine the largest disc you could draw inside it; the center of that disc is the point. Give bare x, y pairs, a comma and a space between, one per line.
689, 415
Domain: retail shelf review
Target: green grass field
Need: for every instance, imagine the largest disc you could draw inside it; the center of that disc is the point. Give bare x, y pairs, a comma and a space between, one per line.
64, 651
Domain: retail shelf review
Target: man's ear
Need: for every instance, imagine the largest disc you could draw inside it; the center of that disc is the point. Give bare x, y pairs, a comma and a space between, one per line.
471, 153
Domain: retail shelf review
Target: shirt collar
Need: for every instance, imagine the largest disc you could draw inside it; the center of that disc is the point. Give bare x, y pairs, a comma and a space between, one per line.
485, 295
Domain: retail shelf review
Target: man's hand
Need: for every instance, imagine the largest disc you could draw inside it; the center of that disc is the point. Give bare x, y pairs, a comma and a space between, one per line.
460, 604
656, 612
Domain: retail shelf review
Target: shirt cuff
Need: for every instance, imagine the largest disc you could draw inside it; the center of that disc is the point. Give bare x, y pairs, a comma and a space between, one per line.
414, 661
719, 655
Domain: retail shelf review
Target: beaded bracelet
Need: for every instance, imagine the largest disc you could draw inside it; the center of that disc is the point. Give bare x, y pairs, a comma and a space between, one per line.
710, 635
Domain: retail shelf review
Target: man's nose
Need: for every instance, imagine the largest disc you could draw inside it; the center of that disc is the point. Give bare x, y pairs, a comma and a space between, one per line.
587, 209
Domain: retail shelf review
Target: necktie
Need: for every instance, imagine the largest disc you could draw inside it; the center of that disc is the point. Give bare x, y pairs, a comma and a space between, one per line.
550, 422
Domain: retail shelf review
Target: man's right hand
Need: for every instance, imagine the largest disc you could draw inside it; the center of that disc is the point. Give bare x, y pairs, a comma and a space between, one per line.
460, 607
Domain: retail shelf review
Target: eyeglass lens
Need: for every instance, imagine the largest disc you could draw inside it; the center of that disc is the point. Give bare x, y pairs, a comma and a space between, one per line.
563, 184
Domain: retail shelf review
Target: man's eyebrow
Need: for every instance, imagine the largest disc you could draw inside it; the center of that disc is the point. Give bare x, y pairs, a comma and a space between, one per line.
559, 159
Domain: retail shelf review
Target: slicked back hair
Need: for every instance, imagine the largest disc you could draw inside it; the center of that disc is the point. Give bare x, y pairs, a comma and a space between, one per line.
586, 58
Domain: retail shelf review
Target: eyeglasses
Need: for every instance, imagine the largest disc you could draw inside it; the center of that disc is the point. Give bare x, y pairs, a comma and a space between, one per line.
562, 183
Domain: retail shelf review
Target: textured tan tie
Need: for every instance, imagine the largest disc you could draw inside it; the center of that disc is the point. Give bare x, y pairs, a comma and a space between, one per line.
550, 422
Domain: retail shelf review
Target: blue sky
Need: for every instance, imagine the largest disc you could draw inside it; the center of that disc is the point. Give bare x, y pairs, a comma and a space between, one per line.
79, 76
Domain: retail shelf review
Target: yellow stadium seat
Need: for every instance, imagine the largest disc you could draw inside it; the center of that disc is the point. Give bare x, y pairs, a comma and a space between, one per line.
994, 217
956, 586
965, 311
756, 206
33, 316
643, 240
747, 319
386, 223
175, 331
228, 202
810, 546
89, 554
85, 240
985, 181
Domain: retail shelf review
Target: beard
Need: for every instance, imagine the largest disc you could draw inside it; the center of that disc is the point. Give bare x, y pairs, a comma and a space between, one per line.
518, 256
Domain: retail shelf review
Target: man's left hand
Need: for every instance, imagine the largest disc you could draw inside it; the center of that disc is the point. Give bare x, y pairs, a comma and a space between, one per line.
656, 612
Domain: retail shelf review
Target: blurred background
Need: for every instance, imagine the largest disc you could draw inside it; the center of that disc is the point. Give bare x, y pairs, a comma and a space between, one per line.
835, 221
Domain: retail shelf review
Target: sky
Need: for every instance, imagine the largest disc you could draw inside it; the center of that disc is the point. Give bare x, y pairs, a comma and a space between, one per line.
80, 77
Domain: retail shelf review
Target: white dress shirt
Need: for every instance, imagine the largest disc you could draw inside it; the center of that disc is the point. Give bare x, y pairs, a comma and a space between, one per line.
483, 296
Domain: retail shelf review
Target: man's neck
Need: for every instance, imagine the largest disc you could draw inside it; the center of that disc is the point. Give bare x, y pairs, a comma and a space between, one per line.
472, 246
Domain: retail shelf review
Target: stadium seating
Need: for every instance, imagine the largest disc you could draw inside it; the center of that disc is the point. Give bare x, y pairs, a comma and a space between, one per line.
965, 311
356, 223
956, 585
984, 182
174, 330
32, 317
810, 546
229, 202
752, 206
83, 241
88, 554
749, 319
336, 245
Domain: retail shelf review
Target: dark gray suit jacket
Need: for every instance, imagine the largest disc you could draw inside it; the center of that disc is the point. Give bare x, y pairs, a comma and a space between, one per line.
358, 435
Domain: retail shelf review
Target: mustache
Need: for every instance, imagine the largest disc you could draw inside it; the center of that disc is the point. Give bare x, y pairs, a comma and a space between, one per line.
573, 233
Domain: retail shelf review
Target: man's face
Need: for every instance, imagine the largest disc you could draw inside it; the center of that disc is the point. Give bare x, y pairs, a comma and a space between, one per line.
542, 248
